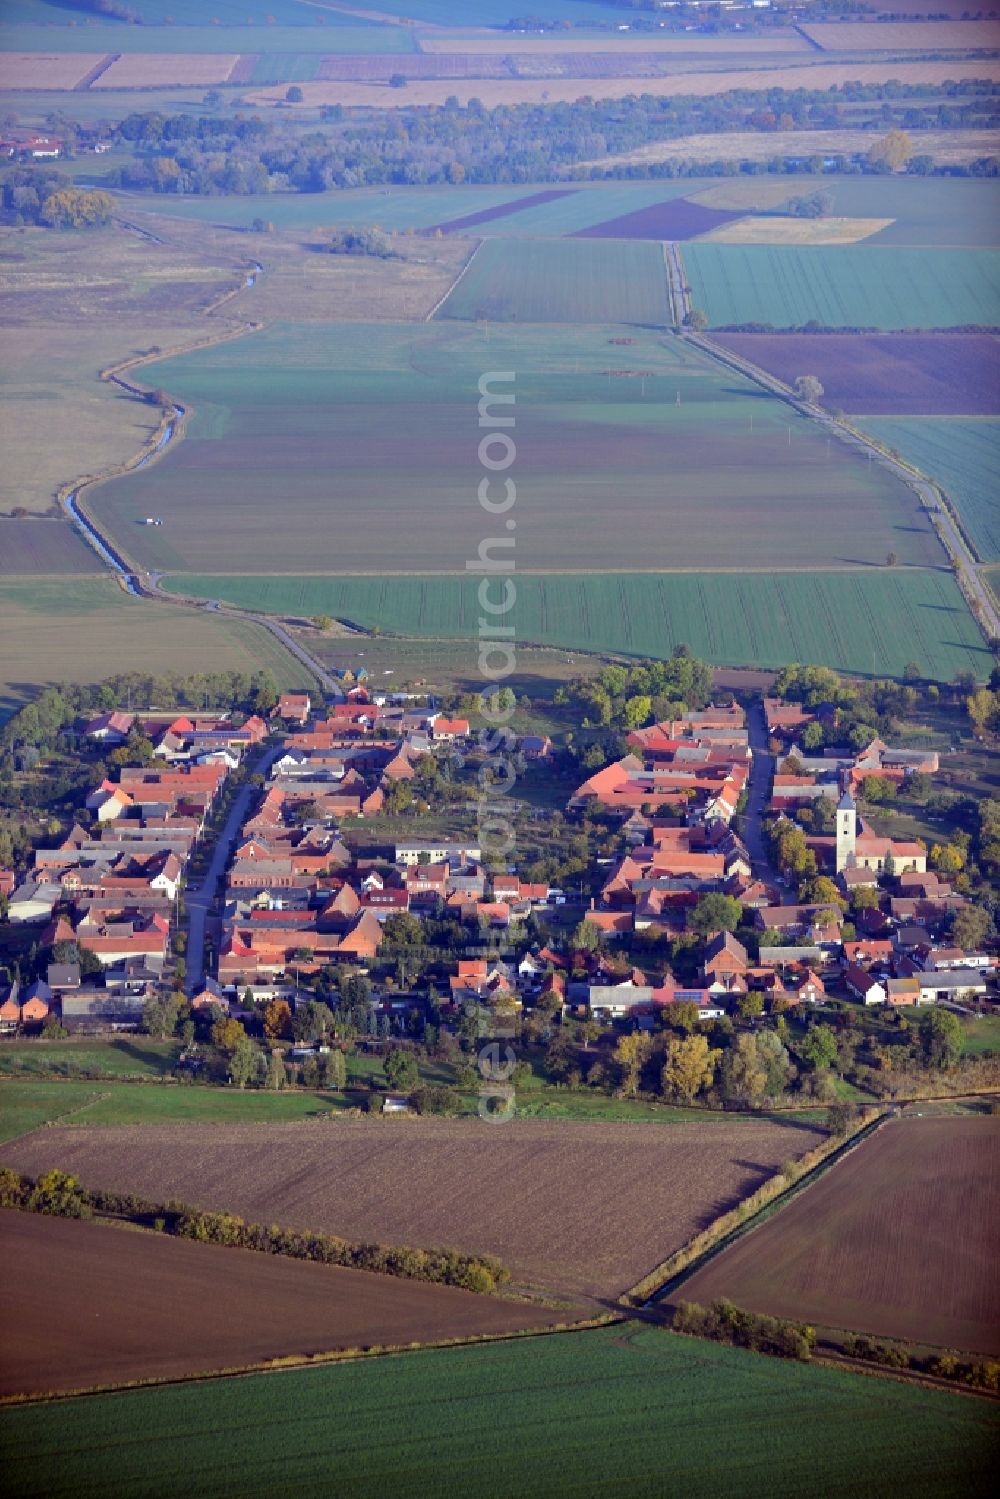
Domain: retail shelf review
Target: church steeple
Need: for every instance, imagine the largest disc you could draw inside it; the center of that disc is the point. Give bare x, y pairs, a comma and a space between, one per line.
847, 830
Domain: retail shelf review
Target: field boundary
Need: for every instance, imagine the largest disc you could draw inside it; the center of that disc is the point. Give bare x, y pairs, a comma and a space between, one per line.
295, 1362
442, 300
747, 1215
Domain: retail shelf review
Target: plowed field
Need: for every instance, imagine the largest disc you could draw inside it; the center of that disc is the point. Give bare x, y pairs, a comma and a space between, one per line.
574, 1207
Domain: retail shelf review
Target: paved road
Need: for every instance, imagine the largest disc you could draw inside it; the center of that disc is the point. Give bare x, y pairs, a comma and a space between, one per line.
200, 900
970, 581
761, 770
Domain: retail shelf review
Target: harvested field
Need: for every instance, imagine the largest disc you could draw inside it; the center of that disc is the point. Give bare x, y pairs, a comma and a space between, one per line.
676, 219
501, 210
784, 41
872, 619
163, 1308
905, 36
951, 147
378, 68
809, 75
167, 69
630, 1405
885, 374
68, 629
553, 281
853, 286
39, 70
36, 545
577, 1208
898, 1240
774, 230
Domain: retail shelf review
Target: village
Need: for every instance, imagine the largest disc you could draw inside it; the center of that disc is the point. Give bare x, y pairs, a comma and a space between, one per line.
258, 873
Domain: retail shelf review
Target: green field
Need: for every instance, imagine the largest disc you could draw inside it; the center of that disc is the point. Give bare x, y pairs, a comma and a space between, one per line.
963, 455
635, 1411
133, 1057
86, 629
563, 281
981, 1034
352, 448
945, 211
862, 621
26, 1106
849, 286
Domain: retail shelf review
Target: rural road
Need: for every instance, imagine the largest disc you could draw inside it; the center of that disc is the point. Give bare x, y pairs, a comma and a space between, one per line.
200, 900
977, 593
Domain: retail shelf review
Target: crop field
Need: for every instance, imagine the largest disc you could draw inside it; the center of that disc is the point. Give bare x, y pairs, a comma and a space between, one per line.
285, 424
57, 629
678, 218
897, 1240
33, 545
549, 281
782, 73
630, 1405
577, 1208
502, 210
904, 36
857, 286
964, 458
165, 69
34, 70
888, 374
212, 1308
771, 229
877, 620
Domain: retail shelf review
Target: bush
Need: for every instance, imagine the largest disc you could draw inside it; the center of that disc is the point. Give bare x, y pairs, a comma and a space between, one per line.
725, 1322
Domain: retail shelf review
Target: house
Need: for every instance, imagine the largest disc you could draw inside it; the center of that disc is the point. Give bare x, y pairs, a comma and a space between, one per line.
724, 955
455, 854
861, 984
10, 1010
32, 902
109, 728
294, 707
536, 747
62, 976
395, 1103
447, 730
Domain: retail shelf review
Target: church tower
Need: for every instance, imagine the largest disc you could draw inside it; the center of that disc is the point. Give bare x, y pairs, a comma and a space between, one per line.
847, 828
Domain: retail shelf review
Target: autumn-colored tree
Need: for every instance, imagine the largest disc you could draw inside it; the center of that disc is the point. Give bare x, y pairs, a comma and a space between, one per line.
893, 150
809, 388
689, 1068
277, 1019
227, 1033
630, 1054
77, 208
982, 708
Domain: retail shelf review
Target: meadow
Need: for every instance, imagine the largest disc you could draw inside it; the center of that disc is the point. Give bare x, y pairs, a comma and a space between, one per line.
83, 629
896, 1241
637, 1409
878, 620
963, 456
851, 286
351, 448
551, 281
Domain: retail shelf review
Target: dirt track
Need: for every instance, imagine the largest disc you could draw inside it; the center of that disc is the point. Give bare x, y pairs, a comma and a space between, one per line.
93, 1305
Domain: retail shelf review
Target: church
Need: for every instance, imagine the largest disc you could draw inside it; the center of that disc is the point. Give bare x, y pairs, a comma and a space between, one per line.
857, 847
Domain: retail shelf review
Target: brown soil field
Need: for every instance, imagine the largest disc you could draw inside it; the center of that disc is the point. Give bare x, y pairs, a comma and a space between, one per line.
576, 1208
808, 75
677, 218
42, 70
904, 36
952, 147
773, 230
109, 1306
783, 41
30, 544
379, 66
885, 374
897, 1240
501, 210
165, 69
